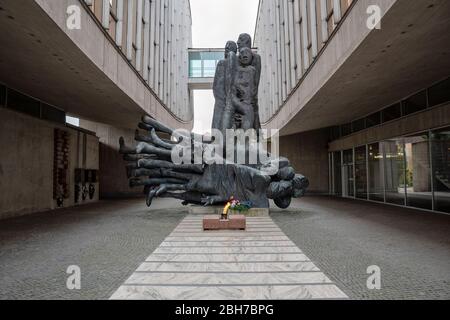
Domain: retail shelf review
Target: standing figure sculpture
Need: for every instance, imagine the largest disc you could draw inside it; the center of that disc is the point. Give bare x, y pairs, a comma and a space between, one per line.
243, 90
152, 165
245, 41
220, 94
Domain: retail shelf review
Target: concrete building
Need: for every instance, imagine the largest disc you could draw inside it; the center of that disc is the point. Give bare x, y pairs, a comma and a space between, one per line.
106, 62
363, 112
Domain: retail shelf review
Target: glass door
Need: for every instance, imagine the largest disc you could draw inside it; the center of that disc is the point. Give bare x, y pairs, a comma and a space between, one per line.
348, 186
361, 172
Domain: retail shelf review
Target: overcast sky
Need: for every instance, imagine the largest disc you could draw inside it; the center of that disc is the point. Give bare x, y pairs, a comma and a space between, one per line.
214, 22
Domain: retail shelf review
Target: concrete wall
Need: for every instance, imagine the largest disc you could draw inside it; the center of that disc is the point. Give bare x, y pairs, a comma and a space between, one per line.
113, 177
153, 55
356, 71
308, 154
26, 164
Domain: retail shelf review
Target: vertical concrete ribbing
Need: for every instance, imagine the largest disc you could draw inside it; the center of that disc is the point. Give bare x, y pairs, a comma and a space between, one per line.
157, 45
287, 50
151, 77
105, 14
292, 57
139, 36
337, 11
313, 21
119, 25
297, 37
304, 19
130, 31
146, 38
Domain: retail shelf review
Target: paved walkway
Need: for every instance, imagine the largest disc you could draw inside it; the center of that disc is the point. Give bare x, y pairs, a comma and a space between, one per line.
109, 240
259, 263
345, 237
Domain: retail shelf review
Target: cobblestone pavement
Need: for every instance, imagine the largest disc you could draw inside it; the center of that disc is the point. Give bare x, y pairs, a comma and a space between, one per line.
107, 240
344, 237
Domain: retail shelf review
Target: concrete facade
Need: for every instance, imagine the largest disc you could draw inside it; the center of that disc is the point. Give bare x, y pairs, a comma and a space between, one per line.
370, 98
113, 178
88, 72
26, 164
348, 71
106, 62
308, 154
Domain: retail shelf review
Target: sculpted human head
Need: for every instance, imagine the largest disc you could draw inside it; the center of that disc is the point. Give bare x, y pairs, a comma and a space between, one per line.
245, 56
244, 41
231, 46
283, 191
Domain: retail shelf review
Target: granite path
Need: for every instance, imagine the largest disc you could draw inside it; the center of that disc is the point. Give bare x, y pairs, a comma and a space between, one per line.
256, 264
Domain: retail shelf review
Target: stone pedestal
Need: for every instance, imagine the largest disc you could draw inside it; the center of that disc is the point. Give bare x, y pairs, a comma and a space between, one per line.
213, 222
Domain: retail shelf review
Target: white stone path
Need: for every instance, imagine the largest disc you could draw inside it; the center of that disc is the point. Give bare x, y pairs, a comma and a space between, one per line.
256, 264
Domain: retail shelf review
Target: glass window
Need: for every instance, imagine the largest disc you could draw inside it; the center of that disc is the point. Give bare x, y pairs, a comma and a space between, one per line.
418, 178
209, 68
373, 120
439, 93
335, 133
203, 63
361, 172
53, 114
440, 146
417, 102
2, 95
358, 125
23, 103
346, 129
394, 171
347, 172
195, 69
337, 176
375, 164
392, 112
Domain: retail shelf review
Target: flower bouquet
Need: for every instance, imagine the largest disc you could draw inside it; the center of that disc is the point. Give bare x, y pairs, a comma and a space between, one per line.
236, 206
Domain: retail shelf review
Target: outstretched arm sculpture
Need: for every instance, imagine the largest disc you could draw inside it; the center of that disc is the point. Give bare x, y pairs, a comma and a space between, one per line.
236, 92
150, 166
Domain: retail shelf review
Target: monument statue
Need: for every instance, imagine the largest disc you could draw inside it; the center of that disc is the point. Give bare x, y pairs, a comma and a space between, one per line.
205, 182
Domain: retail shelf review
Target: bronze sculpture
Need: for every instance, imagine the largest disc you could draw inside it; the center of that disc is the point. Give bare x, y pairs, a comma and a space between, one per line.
152, 165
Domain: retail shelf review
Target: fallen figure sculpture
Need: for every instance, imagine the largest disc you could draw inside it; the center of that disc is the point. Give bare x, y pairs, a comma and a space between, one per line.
151, 161
150, 166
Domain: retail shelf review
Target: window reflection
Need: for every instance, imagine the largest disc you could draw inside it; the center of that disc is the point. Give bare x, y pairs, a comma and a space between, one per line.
337, 166
410, 171
203, 63
394, 171
441, 169
375, 163
418, 179
347, 172
361, 172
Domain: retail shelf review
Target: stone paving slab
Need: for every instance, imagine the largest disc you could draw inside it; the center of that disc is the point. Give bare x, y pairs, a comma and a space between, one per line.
228, 278
260, 263
260, 292
198, 244
173, 257
227, 250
